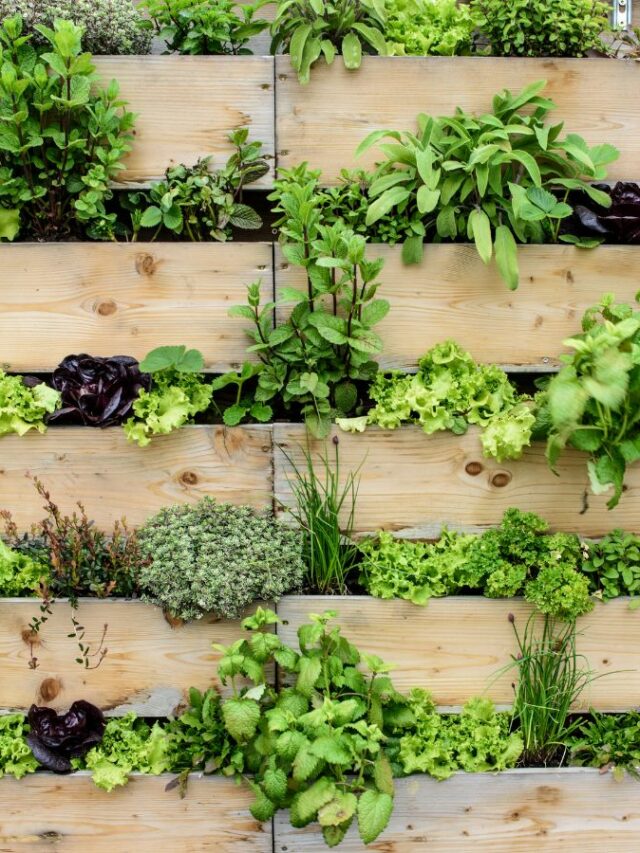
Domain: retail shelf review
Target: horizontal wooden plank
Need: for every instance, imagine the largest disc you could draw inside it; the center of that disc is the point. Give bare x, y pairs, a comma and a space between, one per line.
187, 105
324, 122
149, 666
114, 478
554, 811
69, 814
452, 294
126, 298
460, 644
416, 484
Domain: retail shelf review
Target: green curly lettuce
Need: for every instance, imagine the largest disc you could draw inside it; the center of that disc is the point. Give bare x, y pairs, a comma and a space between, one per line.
519, 557
416, 571
16, 758
20, 574
478, 740
129, 745
22, 407
173, 401
451, 392
428, 28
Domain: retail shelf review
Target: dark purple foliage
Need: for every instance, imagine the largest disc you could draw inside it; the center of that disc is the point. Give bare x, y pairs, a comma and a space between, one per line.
98, 391
619, 223
55, 739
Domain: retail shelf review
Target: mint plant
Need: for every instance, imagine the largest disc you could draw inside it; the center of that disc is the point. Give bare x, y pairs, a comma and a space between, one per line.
316, 747
62, 142
324, 345
496, 179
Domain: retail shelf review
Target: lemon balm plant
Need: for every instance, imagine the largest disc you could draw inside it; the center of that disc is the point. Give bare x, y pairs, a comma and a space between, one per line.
61, 142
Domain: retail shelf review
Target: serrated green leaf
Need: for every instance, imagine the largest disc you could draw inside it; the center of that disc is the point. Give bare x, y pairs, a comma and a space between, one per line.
241, 717
374, 812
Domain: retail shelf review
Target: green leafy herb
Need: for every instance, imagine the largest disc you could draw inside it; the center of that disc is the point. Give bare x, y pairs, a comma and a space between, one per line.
325, 344
318, 746
62, 142
199, 204
497, 179
609, 742
110, 27
199, 27
310, 29
217, 558
244, 406
613, 565
593, 403
542, 27
197, 738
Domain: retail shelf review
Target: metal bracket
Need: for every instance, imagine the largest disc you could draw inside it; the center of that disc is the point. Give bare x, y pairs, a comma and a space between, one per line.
621, 14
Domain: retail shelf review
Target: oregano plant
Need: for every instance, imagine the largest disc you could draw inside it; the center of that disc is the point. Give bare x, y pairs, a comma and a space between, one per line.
317, 745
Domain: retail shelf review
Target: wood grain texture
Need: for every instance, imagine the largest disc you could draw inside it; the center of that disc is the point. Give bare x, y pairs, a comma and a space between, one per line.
149, 666
415, 483
452, 294
459, 644
187, 105
123, 298
325, 122
573, 810
114, 478
69, 814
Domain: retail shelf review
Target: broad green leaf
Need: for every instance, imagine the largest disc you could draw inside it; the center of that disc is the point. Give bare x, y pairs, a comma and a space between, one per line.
330, 749
374, 312
241, 718
427, 199
351, 51
412, 250
309, 802
309, 672
374, 811
388, 200
383, 775
298, 41
507, 256
243, 216
262, 808
481, 230
338, 810
9, 223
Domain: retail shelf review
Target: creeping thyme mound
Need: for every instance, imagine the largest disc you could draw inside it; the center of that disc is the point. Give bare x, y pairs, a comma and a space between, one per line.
110, 26
219, 558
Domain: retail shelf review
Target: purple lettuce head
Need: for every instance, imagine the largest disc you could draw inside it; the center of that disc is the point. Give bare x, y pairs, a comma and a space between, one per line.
55, 739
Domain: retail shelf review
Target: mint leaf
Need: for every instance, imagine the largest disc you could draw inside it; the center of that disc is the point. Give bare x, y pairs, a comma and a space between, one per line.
241, 718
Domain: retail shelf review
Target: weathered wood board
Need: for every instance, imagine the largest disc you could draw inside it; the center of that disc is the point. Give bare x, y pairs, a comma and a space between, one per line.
326, 121
554, 811
114, 478
187, 105
457, 647
452, 294
416, 484
126, 299
70, 814
148, 668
